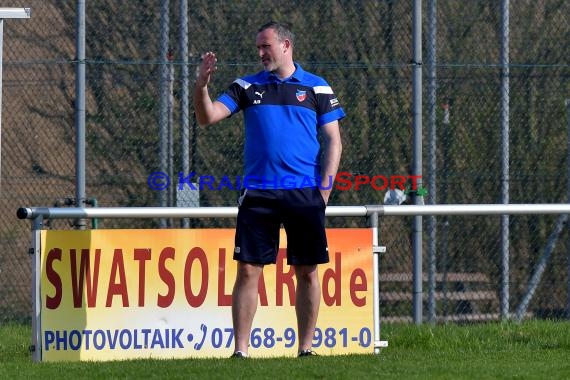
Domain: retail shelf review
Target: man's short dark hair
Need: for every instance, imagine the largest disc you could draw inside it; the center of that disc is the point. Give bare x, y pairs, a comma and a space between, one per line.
282, 29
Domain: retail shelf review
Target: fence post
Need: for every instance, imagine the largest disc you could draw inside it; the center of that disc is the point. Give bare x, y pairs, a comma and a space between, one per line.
184, 94
568, 200
432, 155
505, 158
164, 96
80, 194
417, 229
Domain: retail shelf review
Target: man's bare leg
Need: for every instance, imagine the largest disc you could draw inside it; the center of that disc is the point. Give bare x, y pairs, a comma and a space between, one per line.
308, 297
244, 303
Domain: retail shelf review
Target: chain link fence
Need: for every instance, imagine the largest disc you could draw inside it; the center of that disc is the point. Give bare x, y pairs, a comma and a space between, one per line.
135, 106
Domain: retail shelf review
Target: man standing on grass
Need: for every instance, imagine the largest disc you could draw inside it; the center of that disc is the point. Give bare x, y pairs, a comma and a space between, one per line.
289, 178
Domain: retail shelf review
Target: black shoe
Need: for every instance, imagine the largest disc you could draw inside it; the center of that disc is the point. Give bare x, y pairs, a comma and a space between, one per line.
239, 355
307, 352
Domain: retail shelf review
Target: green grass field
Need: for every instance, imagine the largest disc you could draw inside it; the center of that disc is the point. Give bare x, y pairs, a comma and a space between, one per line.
531, 350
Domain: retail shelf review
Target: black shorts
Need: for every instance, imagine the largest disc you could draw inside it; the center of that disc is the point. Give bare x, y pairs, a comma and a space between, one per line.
261, 213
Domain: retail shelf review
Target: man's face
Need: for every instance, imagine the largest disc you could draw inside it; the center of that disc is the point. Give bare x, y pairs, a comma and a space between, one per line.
270, 50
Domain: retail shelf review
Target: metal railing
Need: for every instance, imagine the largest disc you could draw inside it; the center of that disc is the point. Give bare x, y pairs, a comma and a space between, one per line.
373, 212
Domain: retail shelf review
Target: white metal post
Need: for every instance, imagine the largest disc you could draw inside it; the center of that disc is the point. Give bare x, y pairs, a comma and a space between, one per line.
377, 250
36, 248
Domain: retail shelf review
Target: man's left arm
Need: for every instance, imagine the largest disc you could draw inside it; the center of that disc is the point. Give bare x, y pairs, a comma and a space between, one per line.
331, 157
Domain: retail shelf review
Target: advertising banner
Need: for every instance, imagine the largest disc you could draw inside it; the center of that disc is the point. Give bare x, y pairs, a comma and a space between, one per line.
128, 294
